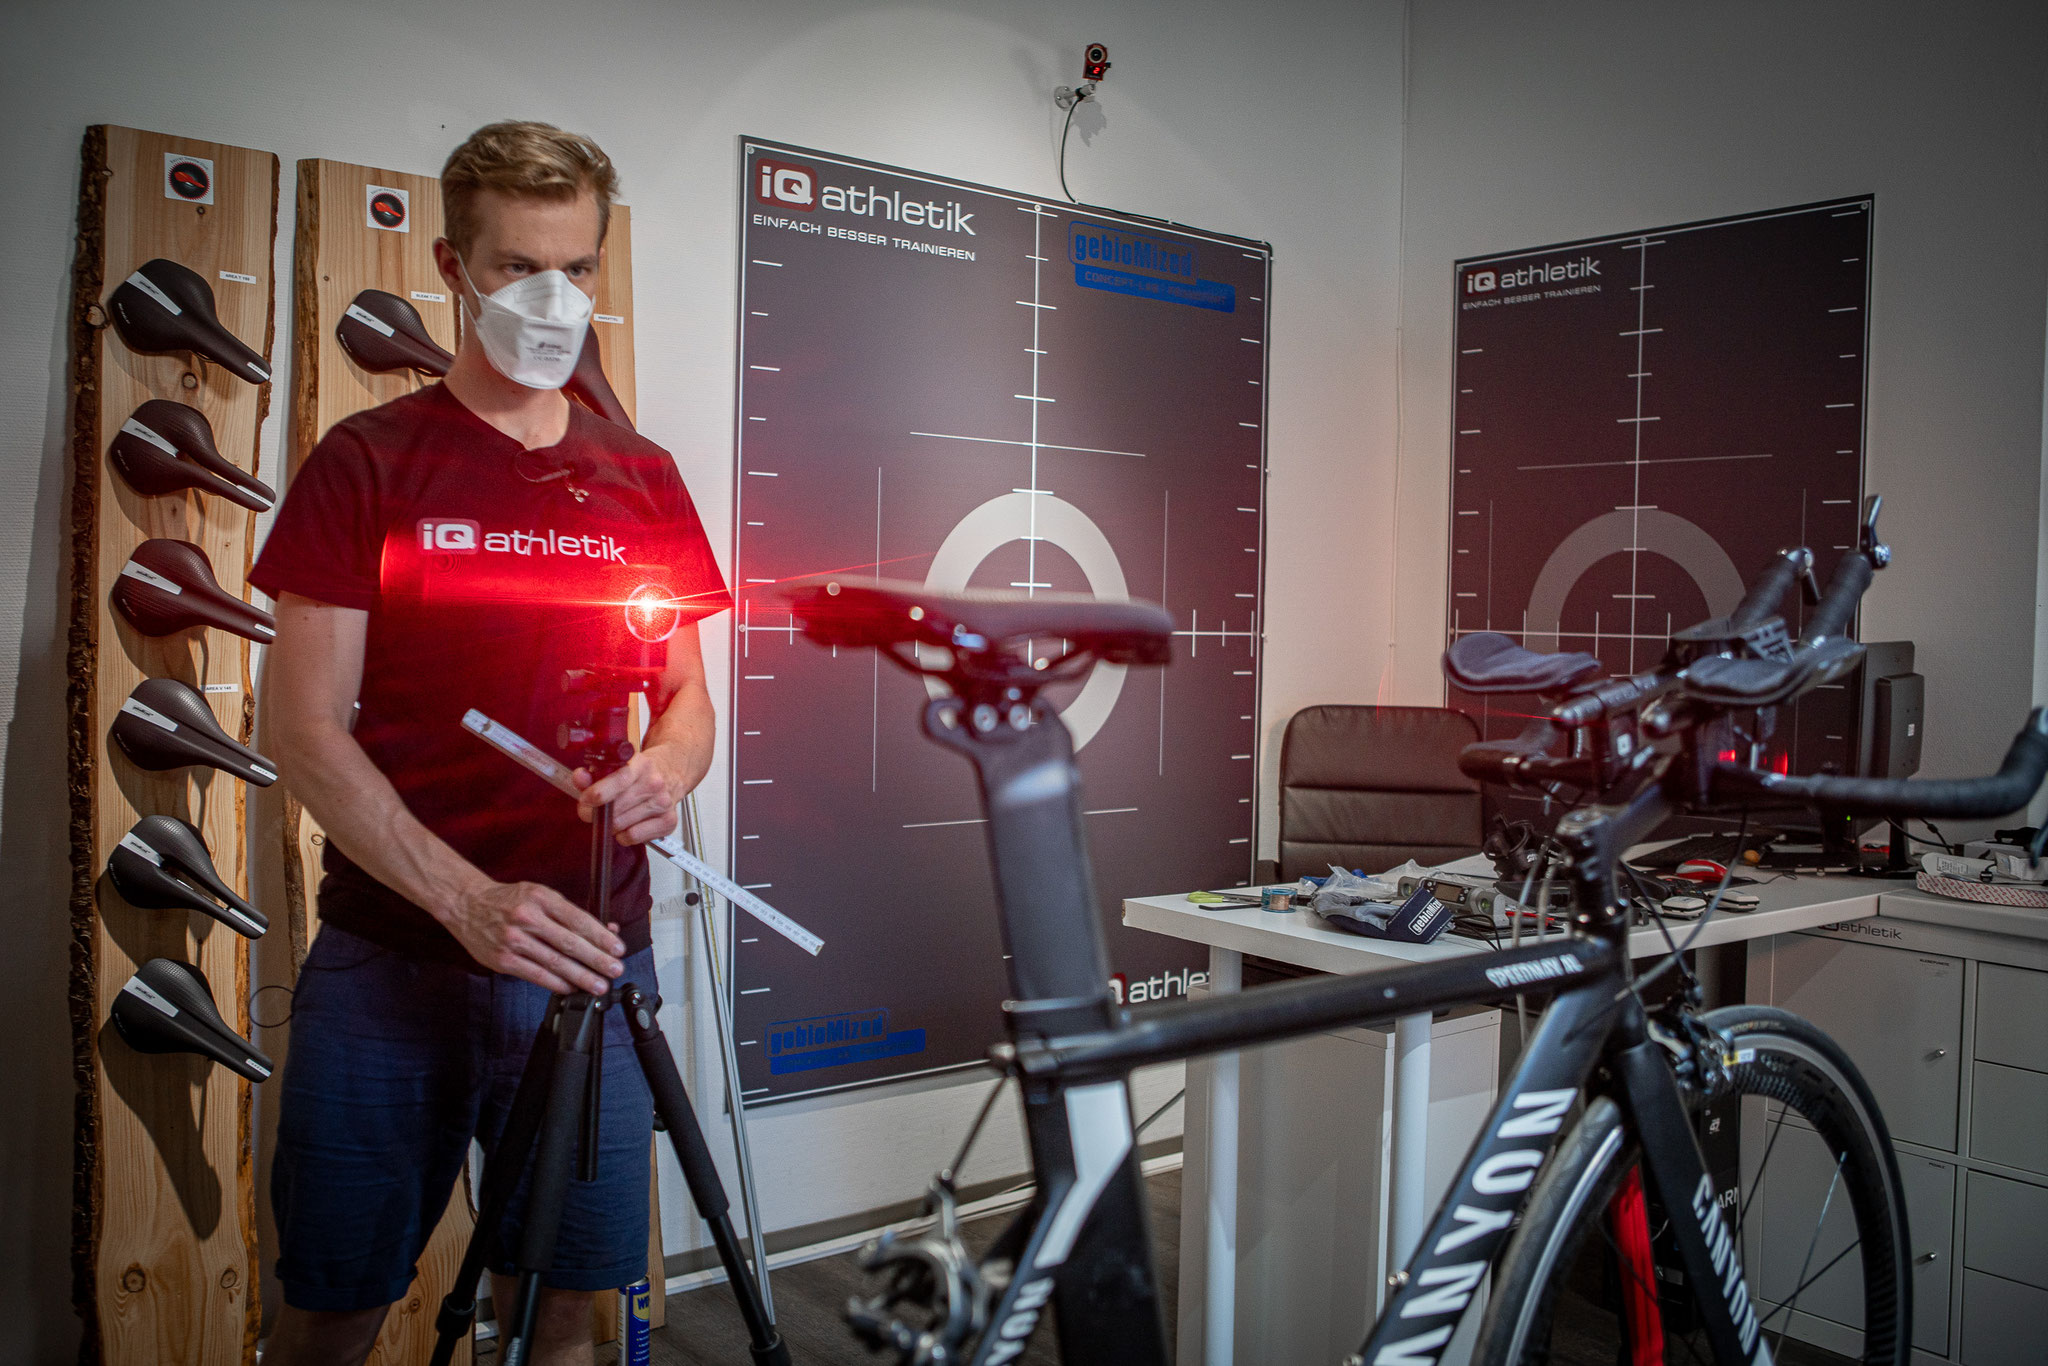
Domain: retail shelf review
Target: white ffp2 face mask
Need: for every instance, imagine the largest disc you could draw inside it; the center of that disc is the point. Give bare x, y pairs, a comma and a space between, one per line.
532, 329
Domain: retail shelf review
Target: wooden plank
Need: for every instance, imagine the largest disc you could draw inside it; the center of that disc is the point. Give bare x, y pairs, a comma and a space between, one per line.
164, 1247
615, 301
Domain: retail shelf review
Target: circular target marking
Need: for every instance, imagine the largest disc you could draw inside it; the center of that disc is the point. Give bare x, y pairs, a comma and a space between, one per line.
1009, 518
1684, 543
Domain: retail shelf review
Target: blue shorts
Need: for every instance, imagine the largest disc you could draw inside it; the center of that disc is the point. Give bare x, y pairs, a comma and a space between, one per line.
394, 1065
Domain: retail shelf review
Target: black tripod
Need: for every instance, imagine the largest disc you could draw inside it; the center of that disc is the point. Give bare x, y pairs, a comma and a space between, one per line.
556, 1105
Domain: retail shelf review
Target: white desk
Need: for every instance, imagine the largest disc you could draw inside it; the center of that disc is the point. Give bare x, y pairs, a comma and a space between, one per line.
1300, 938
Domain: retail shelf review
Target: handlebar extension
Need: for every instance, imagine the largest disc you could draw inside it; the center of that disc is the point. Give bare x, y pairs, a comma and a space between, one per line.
2012, 787
1763, 597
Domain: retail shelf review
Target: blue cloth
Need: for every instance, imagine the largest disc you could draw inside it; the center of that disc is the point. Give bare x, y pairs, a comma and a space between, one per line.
394, 1064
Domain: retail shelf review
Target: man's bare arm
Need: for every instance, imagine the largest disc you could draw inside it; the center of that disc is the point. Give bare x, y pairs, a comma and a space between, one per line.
675, 757
311, 675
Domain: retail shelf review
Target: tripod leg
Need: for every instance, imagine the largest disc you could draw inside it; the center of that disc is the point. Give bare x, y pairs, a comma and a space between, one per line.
501, 1178
577, 1037
672, 1101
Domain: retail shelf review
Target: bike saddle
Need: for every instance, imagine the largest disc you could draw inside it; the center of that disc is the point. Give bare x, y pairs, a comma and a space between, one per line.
1487, 661
165, 307
383, 333
162, 865
167, 1007
588, 386
165, 725
168, 585
886, 613
167, 446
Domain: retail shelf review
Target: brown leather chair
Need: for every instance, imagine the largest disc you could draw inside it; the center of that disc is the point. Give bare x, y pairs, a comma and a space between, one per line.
1371, 787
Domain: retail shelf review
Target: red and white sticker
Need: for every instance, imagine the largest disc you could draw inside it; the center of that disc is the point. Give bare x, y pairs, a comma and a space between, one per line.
387, 209
188, 179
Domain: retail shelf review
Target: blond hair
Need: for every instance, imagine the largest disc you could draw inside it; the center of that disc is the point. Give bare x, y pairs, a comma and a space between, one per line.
533, 159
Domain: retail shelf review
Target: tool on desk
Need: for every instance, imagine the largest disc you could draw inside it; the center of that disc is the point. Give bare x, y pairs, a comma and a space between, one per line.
1233, 900
552, 771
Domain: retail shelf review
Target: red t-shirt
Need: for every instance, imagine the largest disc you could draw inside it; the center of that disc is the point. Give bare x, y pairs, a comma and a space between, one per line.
488, 571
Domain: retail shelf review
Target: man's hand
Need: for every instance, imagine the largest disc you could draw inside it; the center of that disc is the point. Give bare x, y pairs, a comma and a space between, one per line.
532, 932
643, 794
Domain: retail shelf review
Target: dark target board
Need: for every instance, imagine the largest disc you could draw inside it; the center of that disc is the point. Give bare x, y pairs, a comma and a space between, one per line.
971, 388
1642, 422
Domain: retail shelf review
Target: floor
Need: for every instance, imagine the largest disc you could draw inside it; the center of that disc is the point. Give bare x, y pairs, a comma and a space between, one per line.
704, 1328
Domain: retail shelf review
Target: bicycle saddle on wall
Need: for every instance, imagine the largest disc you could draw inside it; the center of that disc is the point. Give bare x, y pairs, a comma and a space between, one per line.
167, 586
162, 865
165, 307
383, 333
165, 725
167, 1007
588, 385
166, 446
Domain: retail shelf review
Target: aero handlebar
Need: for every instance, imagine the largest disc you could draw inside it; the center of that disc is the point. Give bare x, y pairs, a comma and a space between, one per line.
1763, 597
2009, 789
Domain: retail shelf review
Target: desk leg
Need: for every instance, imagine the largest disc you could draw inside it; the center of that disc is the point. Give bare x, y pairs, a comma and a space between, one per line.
1407, 1210
1219, 1295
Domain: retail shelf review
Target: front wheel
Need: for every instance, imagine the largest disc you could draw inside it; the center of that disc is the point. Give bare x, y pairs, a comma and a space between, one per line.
1578, 1282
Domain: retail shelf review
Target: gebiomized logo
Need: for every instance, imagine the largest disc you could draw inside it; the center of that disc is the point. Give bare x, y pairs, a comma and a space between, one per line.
786, 185
386, 208
190, 180
836, 1040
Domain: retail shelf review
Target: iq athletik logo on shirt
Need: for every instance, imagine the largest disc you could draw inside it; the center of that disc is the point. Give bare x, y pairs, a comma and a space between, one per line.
461, 536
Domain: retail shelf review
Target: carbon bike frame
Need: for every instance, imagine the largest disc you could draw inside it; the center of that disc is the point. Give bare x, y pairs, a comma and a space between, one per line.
1082, 1243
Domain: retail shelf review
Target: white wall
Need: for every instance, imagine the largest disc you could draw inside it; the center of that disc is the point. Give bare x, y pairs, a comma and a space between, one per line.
1599, 116
1276, 121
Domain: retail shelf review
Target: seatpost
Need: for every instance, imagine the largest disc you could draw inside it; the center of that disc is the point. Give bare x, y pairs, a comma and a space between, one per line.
1045, 889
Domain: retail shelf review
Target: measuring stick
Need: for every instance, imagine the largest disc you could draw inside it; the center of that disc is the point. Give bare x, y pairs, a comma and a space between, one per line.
557, 774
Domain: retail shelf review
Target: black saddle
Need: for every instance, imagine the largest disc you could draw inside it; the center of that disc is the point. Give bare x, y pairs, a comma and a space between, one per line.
167, 446
1488, 662
589, 386
165, 307
165, 725
167, 1007
383, 333
162, 865
890, 614
168, 586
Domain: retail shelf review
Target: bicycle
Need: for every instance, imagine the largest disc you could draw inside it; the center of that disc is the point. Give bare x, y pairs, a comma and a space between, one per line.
1599, 1111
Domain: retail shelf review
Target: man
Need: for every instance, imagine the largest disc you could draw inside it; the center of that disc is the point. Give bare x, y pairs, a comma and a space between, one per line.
463, 547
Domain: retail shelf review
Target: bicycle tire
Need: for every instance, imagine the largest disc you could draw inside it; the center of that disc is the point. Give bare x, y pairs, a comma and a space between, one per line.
1782, 1058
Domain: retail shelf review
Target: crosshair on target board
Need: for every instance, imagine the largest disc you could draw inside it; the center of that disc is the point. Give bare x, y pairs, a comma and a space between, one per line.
1642, 422
975, 389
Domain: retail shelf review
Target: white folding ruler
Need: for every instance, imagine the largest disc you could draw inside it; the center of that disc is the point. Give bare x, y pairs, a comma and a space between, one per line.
551, 770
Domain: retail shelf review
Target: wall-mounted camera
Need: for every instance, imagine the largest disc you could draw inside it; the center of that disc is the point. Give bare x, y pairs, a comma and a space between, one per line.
1094, 66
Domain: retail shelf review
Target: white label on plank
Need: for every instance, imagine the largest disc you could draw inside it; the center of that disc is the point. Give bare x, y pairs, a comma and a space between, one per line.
134, 845
140, 991
607, 318
148, 286
428, 296
223, 687
132, 570
149, 714
135, 429
236, 277
370, 321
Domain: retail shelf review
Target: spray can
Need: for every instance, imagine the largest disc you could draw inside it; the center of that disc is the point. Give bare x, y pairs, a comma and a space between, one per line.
634, 1327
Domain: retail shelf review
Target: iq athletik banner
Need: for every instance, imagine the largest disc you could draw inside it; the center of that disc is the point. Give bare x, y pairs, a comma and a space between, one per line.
969, 387
1642, 422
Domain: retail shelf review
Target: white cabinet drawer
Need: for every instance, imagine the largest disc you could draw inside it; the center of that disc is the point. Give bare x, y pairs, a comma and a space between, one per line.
2012, 1016
2005, 1230
2009, 1117
2004, 1323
